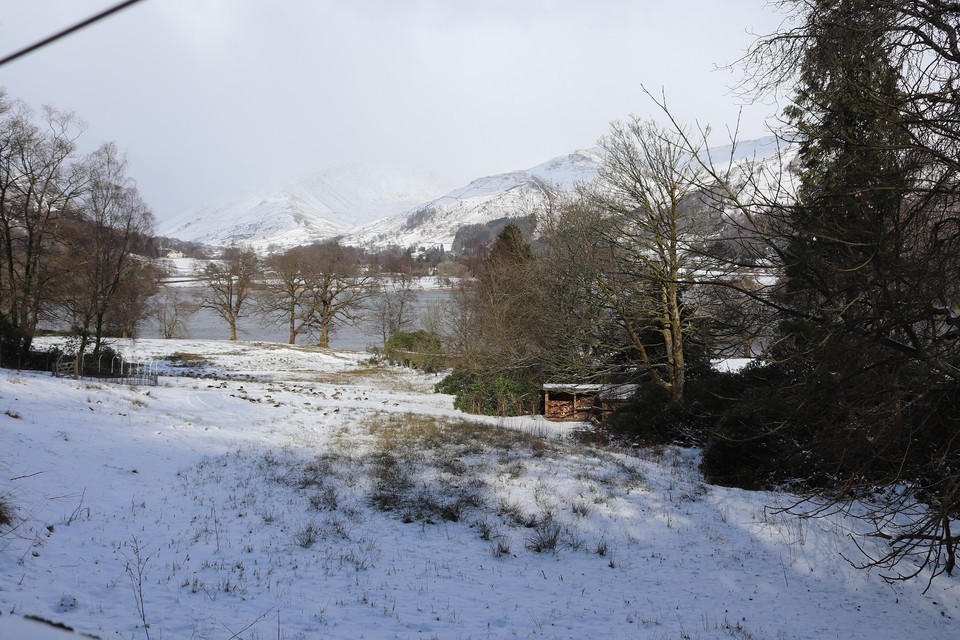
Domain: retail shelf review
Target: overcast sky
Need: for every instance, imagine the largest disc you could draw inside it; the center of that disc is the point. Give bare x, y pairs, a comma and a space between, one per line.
209, 97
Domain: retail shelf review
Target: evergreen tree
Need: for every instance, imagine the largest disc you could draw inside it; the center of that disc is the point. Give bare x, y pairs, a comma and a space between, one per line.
866, 390
852, 166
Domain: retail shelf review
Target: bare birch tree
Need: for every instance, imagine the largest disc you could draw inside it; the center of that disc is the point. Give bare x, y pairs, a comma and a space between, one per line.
39, 183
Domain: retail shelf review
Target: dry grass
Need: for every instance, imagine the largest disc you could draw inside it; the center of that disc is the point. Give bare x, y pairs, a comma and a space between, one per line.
6, 511
498, 482
188, 360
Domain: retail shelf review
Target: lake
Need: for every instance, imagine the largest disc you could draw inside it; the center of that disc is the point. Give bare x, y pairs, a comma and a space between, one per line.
205, 324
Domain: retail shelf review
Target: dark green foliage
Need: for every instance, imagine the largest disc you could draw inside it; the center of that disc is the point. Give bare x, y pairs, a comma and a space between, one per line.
653, 418
783, 426
869, 253
650, 418
510, 246
474, 235
750, 446
12, 339
499, 395
844, 253
417, 349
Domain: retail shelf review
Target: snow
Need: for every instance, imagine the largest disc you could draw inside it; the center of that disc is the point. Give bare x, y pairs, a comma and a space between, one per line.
310, 208
732, 365
241, 501
379, 206
511, 194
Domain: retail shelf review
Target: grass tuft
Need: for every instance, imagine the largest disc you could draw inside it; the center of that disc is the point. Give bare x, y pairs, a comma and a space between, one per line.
6, 511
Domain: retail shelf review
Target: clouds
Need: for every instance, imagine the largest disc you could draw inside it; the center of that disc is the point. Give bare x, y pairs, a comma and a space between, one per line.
208, 96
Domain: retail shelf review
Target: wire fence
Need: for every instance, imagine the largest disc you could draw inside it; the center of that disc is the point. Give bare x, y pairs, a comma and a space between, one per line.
108, 368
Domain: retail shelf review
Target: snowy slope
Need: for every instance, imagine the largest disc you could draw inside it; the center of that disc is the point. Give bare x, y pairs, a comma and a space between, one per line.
313, 207
521, 193
248, 502
512, 194
378, 207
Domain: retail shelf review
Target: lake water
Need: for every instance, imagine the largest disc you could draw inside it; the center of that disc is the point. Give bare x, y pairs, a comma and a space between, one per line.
205, 324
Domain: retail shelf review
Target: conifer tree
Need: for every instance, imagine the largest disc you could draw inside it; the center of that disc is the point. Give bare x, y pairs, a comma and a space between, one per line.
868, 382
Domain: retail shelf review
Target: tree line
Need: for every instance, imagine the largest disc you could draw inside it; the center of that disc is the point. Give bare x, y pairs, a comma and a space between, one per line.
74, 234
833, 264
78, 252
309, 289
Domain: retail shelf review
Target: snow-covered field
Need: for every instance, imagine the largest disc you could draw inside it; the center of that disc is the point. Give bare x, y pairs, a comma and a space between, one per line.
289, 492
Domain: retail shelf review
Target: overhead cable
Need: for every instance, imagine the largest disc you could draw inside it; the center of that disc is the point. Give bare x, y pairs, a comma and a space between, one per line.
60, 34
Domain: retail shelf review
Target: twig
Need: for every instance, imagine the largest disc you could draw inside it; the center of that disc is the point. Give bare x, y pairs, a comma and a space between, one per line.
258, 619
137, 576
29, 475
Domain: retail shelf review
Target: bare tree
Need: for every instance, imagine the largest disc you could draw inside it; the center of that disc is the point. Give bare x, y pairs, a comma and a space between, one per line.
393, 308
652, 232
229, 284
109, 277
38, 187
286, 297
315, 288
579, 331
171, 312
455, 322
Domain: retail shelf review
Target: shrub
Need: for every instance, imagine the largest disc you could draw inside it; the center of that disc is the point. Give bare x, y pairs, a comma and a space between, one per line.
652, 418
765, 434
545, 537
494, 395
747, 449
307, 536
417, 349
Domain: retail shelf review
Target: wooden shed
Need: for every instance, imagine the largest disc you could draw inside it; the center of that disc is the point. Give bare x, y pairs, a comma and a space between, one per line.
584, 402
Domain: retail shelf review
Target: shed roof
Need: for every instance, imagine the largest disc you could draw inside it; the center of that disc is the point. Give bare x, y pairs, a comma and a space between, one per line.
606, 391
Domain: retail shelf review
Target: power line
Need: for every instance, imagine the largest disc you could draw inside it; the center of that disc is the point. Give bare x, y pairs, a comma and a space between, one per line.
60, 34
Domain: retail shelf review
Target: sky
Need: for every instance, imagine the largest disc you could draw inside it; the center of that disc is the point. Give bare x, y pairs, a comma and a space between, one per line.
212, 97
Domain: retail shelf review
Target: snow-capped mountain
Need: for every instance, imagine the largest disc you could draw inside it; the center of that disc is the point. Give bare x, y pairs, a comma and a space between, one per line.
506, 195
310, 208
377, 207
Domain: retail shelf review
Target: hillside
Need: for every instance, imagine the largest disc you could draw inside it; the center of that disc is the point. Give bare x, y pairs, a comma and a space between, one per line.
313, 207
266, 491
512, 194
378, 207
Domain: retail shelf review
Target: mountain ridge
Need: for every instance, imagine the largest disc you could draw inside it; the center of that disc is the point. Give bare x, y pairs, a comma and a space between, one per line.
376, 207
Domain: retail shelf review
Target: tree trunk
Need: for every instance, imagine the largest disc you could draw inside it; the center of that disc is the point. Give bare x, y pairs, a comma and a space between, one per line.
324, 334
292, 314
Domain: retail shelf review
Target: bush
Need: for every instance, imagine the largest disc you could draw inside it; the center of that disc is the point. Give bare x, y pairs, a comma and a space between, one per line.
496, 395
769, 433
652, 418
747, 424
417, 349
746, 449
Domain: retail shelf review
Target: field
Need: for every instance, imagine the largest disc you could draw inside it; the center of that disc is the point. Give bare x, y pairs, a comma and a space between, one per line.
264, 492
